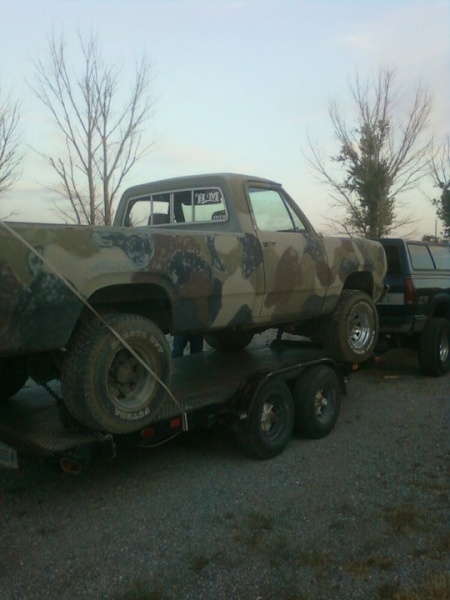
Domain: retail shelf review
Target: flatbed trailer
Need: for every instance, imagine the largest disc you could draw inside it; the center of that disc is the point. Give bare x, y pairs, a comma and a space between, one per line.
264, 394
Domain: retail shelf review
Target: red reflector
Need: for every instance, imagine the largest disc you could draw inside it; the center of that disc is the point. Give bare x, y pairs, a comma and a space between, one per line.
174, 423
148, 432
70, 466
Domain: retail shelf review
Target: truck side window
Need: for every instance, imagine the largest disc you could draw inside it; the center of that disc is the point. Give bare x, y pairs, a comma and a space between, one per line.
185, 206
271, 211
149, 210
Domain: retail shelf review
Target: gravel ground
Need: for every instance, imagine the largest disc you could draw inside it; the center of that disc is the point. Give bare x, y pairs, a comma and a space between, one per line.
361, 514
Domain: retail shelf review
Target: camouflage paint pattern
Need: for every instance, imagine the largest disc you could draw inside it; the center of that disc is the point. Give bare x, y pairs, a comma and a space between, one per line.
213, 275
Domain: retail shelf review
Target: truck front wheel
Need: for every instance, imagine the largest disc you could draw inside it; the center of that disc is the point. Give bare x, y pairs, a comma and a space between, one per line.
434, 348
351, 330
108, 383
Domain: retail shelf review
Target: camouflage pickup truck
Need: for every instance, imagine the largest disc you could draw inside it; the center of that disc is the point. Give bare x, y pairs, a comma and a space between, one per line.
223, 255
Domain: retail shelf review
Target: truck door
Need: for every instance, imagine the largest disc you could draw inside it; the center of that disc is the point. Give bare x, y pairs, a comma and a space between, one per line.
295, 265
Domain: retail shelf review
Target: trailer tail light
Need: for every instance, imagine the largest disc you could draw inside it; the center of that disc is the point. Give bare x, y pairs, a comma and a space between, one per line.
409, 291
161, 430
175, 423
71, 465
148, 433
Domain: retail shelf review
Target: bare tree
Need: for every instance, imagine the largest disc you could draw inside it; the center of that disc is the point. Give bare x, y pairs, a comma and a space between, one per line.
441, 177
379, 157
10, 156
102, 134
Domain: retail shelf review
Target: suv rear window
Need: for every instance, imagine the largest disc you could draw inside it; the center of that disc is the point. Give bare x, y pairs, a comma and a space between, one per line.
420, 257
441, 257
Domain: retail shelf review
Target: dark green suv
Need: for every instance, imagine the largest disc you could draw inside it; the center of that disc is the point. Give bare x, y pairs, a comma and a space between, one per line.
416, 310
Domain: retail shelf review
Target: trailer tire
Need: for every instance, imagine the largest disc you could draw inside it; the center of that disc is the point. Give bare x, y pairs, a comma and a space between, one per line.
316, 402
108, 384
351, 330
229, 341
13, 375
434, 348
270, 421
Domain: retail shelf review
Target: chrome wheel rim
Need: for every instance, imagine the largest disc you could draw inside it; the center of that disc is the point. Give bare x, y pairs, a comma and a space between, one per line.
444, 348
130, 385
359, 329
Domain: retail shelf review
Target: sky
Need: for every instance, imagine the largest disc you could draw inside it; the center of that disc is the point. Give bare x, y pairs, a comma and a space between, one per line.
237, 85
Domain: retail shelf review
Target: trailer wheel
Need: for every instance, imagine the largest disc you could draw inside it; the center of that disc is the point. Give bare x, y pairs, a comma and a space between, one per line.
13, 375
316, 402
434, 348
108, 384
351, 330
229, 341
270, 421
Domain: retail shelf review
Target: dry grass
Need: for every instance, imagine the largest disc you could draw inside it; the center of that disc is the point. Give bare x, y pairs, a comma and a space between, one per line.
143, 590
436, 587
253, 528
315, 558
363, 567
200, 562
404, 518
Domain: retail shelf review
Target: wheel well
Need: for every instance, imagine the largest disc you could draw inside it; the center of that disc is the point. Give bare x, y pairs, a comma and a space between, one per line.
442, 309
362, 281
147, 300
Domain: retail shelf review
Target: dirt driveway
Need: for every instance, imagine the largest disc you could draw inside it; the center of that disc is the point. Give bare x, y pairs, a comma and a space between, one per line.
361, 514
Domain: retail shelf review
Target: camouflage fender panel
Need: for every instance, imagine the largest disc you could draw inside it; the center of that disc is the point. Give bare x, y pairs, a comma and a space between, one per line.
348, 256
38, 311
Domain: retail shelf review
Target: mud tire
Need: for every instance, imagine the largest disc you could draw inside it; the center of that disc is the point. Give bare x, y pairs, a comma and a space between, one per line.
317, 402
104, 385
229, 341
434, 348
13, 375
270, 421
350, 332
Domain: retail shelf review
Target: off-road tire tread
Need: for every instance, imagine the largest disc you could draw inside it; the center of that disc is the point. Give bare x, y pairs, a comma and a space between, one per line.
334, 326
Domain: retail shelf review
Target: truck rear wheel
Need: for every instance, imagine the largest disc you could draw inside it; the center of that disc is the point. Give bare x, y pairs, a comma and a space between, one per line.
351, 330
317, 402
107, 385
270, 421
13, 375
434, 348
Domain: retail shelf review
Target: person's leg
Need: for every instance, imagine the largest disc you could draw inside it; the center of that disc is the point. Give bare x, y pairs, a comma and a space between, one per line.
179, 344
196, 343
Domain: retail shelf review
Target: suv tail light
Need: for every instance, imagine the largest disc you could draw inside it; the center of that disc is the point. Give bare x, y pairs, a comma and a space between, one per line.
410, 293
